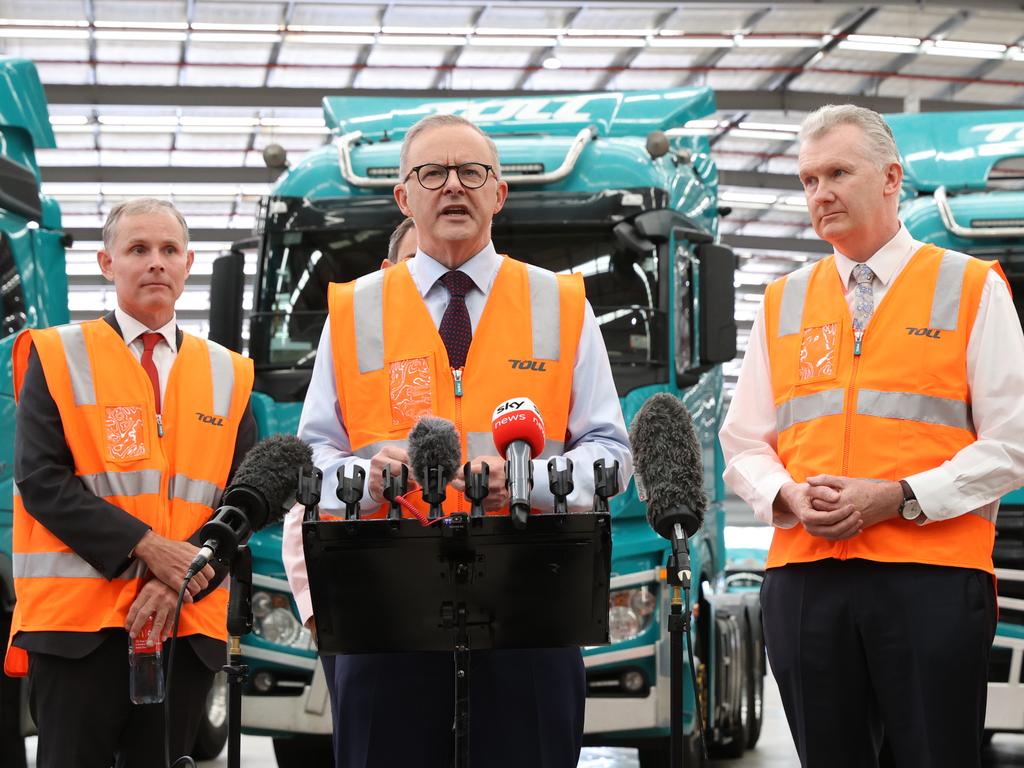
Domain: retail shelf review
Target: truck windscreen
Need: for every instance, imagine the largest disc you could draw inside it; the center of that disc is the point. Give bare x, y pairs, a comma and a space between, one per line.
292, 293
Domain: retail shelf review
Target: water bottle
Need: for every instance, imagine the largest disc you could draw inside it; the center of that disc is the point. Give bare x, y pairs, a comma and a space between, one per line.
146, 667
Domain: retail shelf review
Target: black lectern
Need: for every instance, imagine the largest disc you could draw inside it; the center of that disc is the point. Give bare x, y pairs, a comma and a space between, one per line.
460, 583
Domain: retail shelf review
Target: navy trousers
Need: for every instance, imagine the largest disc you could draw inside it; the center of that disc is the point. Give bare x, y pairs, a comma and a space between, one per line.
866, 650
526, 709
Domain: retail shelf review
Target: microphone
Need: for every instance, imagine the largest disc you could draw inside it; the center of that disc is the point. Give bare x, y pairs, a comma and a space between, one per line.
518, 432
669, 473
260, 494
434, 453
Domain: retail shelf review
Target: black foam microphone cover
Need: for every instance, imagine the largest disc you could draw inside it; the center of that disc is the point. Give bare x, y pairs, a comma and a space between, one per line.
266, 480
433, 442
667, 465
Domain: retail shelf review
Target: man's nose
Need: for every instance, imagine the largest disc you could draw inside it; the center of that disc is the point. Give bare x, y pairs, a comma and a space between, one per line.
452, 183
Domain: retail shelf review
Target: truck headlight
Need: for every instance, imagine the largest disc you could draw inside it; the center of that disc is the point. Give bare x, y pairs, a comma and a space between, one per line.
275, 622
630, 612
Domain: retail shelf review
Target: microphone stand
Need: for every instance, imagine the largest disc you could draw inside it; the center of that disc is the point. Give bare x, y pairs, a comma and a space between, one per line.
395, 486
678, 576
239, 624
435, 491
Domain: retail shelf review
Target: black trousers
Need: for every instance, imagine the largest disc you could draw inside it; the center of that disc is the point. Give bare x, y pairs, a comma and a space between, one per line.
12, 743
526, 709
86, 719
864, 650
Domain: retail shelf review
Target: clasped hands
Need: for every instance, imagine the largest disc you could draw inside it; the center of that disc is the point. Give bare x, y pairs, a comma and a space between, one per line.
838, 508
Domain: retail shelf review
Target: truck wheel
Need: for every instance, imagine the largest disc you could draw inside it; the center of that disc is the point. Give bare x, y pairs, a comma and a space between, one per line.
304, 752
213, 730
732, 640
756, 670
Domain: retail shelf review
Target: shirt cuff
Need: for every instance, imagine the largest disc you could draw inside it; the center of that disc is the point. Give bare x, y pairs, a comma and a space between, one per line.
767, 490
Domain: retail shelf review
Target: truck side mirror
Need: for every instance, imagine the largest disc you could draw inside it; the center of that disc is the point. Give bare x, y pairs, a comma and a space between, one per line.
717, 303
226, 287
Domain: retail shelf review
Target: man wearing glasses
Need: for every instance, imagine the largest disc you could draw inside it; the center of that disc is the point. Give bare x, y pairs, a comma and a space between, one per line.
439, 334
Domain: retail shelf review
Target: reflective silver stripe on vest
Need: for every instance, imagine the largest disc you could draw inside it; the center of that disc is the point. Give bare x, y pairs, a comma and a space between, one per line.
482, 444
79, 366
912, 407
370, 449
137, 483
545, 313
794, 293
64, 565
194, 491
946, 301
368, 306
16, 489
222, 371
808, 407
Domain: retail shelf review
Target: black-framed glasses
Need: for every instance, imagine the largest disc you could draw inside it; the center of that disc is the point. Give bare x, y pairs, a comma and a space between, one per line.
435, 175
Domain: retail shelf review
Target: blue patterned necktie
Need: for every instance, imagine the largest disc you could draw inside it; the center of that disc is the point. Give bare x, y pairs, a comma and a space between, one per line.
863, 299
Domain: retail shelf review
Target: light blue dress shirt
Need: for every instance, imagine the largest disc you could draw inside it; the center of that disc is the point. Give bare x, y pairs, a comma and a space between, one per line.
596, 427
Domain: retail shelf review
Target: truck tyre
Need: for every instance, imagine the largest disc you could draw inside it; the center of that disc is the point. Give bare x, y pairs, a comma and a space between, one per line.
756, 670
213, 729
304, 752
732, 742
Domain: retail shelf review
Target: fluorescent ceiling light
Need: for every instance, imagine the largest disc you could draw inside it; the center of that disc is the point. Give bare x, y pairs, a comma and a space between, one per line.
966, 46
45, 34
514, 42
332, 29
778, 42
878, 47
434, 40
606, 32
43, 23
883, 39
530, 31
763, 198
966, 53
292, 122
755, 126
690, 42
602, 42
72, 128
168, 25
135, 35
236, 37
68, 120
740, 133
220, 122
314, 39
221, 27
551, 63
107, 120
137, 128
296, 130
427, 30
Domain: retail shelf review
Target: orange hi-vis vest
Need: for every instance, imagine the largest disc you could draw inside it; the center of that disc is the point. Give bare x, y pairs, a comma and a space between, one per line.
172, 483
898, 405
391, 365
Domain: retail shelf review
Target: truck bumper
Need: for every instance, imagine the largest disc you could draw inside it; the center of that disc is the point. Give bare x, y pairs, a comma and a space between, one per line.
1005, 711
608, 715
307, 713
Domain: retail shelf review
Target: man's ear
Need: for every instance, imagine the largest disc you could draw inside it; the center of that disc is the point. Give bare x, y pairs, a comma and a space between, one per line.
501, 197
893, 179
386, 263
402, 198
104, 260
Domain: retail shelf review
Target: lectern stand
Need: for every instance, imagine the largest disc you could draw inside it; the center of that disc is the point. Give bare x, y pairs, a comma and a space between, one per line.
461, 583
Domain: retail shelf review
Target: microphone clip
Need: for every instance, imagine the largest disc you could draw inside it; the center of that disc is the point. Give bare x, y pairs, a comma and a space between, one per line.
435, 491
606, 485
395, 486
350, 490
561, 484
307, 492
477, 487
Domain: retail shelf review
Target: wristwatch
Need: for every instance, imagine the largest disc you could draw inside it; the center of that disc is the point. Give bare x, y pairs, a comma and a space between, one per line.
910, 507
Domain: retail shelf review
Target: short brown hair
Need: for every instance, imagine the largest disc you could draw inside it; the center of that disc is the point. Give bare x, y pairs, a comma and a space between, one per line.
396, 238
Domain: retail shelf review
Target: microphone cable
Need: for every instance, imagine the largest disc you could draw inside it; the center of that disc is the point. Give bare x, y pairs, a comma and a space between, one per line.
184, 761
693, 679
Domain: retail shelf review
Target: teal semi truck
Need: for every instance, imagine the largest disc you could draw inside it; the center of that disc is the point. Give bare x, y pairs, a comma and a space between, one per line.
34, 294
602, 184
964, 189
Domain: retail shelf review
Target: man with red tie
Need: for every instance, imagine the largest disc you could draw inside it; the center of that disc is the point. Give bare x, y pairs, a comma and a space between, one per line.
115, 473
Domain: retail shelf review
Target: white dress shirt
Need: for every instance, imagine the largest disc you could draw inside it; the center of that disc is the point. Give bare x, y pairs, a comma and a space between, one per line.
163, 353
978, 475
596, 427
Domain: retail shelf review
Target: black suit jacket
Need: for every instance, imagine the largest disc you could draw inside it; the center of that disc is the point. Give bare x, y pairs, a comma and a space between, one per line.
100, 533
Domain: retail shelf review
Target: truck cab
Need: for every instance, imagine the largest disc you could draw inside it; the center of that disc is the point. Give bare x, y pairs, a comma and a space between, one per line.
609, 185
963, 189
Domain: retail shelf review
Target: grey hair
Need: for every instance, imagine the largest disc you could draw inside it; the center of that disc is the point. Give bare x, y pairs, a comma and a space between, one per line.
442, 121
879, 141
134, 207
396, 238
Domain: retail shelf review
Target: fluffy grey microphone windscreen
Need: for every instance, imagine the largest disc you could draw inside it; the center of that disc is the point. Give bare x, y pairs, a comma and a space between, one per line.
271, 469
667, 463
433, 442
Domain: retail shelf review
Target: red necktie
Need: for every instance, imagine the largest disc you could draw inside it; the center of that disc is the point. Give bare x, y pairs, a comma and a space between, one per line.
455, 329
150, 340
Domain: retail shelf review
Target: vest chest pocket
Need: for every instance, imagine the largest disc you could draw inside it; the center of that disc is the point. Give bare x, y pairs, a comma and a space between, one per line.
124, 432
819, 353
410, 390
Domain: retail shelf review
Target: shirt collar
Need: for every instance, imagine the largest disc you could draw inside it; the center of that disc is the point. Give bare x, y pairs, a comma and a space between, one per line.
481, 268
886, 262
131, 329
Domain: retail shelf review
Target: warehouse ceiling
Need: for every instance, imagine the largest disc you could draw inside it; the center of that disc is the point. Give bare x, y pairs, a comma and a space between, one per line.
179, 97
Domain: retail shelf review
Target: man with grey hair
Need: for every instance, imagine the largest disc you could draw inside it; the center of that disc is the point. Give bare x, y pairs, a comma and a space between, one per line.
460, 319
876, 422
401, 244
127, 432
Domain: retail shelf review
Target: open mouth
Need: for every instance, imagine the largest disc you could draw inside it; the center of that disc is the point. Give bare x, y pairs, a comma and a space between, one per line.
455, 210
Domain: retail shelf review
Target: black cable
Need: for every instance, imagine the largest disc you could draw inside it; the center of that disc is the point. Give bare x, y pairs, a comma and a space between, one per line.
693, 678
184, 760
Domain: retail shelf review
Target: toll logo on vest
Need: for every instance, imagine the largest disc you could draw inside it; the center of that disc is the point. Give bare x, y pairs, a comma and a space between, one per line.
527, 365
931, 333
123, 429
215, 421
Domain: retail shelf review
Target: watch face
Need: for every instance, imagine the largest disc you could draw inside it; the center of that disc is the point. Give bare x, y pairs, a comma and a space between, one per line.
912, 509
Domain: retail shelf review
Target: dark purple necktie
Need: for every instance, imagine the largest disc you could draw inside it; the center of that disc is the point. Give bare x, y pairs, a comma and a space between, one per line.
455, 329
